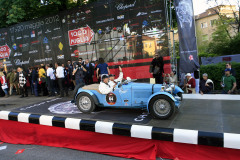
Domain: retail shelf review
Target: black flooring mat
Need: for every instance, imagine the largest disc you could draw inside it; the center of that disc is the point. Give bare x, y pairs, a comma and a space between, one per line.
64, 107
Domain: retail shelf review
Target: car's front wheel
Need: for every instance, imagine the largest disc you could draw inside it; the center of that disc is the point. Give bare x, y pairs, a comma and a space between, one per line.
161, 107
85, 103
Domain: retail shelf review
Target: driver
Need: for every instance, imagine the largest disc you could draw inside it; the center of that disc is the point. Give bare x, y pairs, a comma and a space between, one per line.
104, 87
114, 81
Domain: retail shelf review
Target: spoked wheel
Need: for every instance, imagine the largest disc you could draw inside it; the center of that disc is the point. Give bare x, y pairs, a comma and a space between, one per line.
85, 103
161, 107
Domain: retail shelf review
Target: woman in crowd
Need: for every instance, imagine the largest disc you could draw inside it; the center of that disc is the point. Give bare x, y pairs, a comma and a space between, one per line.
42, 79
35, 80
102, 68
4, 83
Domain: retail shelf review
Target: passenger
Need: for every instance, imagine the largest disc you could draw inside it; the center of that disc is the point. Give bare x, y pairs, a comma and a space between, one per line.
104, 87
172, 78
114, 81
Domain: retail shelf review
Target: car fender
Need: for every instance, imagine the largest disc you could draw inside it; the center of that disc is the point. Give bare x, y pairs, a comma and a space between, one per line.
177, 90
96, 101
160, 93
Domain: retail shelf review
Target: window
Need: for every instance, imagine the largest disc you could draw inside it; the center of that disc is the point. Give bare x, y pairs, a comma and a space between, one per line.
213, 22
205, 37
204, 25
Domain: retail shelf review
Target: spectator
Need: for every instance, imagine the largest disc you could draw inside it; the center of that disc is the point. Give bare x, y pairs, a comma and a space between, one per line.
191, 84
60, 76
70, 71
4, 85
89, 73
79, 72
66, 80
43, 80
232, 70
22, 82
102, 68
73, 77
157, 68
51, 78
172, 78
228, 82
35, 80
29, 78
12, 77
206, 85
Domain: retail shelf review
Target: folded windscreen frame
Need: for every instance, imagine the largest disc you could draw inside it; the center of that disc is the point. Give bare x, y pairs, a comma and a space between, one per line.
126, 32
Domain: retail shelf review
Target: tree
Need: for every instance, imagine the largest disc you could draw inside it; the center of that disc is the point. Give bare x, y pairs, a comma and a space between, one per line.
16, 11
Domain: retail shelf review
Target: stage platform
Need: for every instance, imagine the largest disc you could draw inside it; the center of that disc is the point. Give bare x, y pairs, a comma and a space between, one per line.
210, 120
211, 113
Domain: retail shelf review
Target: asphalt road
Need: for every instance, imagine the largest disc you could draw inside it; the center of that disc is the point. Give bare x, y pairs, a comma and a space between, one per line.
34, 152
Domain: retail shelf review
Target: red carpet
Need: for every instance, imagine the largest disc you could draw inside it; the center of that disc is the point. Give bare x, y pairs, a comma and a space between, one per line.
121, 146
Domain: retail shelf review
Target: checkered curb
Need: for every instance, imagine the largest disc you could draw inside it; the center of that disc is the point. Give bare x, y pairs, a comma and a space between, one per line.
226, 140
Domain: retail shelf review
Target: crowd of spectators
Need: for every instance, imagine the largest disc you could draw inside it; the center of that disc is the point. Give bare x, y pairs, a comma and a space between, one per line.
51, 80
189, 82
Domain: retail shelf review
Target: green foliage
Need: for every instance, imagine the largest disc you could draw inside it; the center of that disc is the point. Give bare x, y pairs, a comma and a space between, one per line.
222, 42
16, 11
215, 72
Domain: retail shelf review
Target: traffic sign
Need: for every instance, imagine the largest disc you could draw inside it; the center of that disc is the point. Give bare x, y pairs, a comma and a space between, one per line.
4, 52
80, 36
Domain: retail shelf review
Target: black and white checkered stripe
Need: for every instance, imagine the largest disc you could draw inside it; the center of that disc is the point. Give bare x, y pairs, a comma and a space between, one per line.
227, 140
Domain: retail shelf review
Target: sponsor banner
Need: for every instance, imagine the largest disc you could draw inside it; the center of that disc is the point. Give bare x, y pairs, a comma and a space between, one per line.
85, 53
17, 54
4, 51
43, 60
80, 36
187, 36
60, 57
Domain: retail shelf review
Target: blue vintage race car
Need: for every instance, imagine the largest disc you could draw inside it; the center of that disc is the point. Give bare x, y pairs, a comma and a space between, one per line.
159, 100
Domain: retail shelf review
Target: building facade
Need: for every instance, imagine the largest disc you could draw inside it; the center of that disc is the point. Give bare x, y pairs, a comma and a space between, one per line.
206, 22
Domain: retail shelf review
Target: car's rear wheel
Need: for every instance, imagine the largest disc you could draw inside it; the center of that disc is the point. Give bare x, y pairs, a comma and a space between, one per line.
85, 103
161, 107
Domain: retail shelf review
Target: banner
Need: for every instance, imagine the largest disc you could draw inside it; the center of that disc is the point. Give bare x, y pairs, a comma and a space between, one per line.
187, 36
120, 31
220, 59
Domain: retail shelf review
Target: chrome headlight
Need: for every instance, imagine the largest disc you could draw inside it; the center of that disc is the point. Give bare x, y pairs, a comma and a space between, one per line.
173, 87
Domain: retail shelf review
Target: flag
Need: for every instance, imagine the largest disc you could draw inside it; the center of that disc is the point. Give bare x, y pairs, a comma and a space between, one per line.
187, 36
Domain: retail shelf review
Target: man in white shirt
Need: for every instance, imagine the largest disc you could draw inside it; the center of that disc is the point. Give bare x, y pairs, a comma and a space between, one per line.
104, 87
51, 78
114, 81
60, 76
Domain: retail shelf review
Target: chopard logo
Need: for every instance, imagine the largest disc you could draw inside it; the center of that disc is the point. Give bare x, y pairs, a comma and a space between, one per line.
18, 62
122, 6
